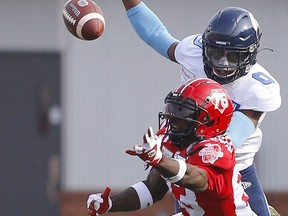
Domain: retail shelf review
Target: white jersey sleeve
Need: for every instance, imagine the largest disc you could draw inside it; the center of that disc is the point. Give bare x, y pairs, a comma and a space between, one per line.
188, 54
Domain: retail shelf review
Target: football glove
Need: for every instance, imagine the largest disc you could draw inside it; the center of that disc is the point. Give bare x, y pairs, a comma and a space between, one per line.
150, 150
100, 203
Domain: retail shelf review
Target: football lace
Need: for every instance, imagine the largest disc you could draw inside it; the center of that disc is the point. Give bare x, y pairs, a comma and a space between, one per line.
68, 17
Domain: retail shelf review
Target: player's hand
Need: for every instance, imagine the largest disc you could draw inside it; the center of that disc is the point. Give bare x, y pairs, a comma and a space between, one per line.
100, 203
150, 150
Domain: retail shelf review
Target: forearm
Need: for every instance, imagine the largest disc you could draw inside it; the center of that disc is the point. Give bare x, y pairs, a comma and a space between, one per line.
141, 194
130, 3
150, 29
168, 167
127, 200
182, 174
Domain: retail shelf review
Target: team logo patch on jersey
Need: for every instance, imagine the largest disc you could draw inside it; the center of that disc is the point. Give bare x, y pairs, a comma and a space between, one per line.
219, 99
211, 153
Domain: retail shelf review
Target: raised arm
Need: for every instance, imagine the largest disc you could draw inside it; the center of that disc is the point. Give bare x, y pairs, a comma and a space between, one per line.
128, 4
150, 28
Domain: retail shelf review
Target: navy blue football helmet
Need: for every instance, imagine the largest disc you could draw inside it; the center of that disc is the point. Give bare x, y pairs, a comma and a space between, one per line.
230, 44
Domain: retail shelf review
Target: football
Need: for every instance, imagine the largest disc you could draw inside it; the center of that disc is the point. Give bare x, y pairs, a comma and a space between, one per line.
84, 19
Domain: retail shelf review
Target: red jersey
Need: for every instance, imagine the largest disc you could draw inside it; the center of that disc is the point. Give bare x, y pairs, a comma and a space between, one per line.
224, 195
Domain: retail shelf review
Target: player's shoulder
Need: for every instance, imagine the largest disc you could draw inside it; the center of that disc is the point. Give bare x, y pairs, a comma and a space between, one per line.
218, 143
215, 152
259, 78
188, 54
260, 71
258, 90
195, 39
192, 42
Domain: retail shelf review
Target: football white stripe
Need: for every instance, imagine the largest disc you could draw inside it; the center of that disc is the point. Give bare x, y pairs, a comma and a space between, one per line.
85, 19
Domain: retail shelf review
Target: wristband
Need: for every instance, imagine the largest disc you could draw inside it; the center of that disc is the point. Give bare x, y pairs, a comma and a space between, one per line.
144, 194
180, 174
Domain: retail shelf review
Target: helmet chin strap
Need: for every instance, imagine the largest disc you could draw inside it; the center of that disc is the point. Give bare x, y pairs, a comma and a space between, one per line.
184, 139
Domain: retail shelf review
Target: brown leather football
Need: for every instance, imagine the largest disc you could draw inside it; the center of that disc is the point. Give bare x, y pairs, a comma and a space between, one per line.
84, 19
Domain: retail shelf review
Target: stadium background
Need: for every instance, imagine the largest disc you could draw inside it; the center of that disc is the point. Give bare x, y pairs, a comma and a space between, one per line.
69, 109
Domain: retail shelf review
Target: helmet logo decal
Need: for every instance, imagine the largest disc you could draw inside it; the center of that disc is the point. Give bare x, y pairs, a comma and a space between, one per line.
211, 153
244, 39
224, 43
219, 99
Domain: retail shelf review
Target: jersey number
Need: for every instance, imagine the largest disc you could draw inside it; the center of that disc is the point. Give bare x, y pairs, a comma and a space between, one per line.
198, 41
263, 78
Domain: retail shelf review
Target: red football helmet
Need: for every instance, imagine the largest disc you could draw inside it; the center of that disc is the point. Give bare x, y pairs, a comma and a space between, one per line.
199, 108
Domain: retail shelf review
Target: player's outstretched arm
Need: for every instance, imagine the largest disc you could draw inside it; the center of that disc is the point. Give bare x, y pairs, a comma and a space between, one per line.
138, 196
173, 170
150, 28
179, 172
101, 203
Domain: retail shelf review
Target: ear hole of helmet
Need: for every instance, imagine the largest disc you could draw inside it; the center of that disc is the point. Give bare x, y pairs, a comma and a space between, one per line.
210, 123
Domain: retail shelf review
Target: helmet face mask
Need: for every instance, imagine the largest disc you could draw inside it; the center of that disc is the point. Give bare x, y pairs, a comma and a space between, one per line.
180, 120
197, 109
230, 44
224, 65
181, 130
